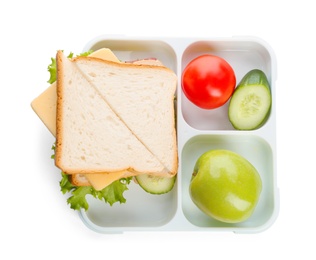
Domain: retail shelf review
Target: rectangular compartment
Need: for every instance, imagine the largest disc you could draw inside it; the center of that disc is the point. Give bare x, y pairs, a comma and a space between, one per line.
198, 130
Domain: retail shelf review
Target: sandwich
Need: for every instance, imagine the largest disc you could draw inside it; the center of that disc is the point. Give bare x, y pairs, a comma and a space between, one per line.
114, 121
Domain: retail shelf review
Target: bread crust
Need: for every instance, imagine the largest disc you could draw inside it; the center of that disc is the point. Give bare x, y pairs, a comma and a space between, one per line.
59, 109
78, 180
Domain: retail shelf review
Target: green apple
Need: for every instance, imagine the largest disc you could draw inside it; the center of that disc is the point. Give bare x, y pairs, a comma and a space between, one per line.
225, 186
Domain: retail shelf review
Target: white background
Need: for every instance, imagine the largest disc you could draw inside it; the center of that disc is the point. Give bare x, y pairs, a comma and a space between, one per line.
34, 218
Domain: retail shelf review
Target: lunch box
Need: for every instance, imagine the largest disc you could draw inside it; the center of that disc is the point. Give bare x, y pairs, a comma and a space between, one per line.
198, 130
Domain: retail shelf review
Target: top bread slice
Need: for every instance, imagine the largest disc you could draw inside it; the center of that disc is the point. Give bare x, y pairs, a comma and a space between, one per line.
101, 180
142, 96
91, 136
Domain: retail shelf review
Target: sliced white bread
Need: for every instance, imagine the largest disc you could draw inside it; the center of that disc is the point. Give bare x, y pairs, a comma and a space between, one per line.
102, 180
79, 180
142, 96
90, 137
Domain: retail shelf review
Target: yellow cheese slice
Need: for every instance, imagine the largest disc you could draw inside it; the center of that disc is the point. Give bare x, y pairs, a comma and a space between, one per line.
45, 107
45, 104
101, 180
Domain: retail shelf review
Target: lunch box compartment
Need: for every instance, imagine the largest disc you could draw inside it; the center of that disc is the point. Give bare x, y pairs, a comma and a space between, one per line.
253, 148
243, 56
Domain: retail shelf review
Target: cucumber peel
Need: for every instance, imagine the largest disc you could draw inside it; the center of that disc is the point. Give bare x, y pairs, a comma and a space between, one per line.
250, 104
154, 184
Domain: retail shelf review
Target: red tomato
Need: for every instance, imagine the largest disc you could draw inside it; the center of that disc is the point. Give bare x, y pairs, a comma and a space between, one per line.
208, 81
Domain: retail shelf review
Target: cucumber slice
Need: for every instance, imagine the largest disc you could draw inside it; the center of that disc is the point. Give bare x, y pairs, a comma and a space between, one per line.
250, 103
154, 184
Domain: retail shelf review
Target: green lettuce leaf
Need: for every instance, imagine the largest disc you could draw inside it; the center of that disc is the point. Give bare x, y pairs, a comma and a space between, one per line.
65, 184
52, 66
52, 71
78, 198
114, 192
110, 194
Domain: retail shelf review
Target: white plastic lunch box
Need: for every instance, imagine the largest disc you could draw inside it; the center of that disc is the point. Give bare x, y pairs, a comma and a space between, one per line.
198, 131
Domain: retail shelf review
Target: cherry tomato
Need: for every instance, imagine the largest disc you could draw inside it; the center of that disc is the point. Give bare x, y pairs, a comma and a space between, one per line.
208, 81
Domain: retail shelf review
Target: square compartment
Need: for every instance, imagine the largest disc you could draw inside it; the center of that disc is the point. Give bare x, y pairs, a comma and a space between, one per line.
257, 151
243, 56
